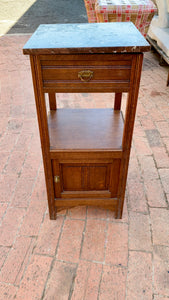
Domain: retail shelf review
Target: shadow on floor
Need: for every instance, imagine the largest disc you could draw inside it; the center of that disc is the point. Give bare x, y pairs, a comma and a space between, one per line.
50, 12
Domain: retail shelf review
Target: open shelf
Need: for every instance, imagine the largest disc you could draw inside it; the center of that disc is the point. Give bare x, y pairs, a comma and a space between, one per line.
97, 129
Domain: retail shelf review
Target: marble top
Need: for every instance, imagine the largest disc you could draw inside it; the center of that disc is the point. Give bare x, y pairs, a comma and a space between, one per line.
114, 37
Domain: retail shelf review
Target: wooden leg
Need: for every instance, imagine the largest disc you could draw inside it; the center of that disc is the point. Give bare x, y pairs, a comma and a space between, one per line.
117, 101
44, 134
128, 129
52, 101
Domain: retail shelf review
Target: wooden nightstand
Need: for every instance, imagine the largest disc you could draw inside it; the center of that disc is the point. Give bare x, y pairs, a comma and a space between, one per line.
86, 151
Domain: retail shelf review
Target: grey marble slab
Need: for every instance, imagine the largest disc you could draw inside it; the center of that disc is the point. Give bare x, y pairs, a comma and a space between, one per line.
114, 37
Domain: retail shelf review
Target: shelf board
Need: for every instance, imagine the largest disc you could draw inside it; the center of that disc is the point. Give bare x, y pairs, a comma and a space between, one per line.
85, 129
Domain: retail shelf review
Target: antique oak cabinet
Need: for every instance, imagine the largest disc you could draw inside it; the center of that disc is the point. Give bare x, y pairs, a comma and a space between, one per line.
86, 151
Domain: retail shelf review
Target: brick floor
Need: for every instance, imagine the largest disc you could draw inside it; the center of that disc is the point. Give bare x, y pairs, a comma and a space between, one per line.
86, 253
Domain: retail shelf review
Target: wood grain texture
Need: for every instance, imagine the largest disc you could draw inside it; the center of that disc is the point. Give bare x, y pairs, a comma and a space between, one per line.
52, 101
117, 101
97, 178
98, 202
128, 128
85, 129
86, 149
43, 129
67, 156
86, 194
63, 75
85, 177
56, 171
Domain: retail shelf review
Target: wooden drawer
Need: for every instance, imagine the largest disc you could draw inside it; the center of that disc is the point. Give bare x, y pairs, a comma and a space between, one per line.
91, 73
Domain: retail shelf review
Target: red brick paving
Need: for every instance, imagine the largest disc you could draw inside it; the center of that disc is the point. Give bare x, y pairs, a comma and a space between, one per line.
16, 258
94, 240
161, 272
160, 226
60, 281
48, 236
87, 281
140, 235
33, 282
139, 279
70, 240
117, 244
86, 253
155, 193
113, 283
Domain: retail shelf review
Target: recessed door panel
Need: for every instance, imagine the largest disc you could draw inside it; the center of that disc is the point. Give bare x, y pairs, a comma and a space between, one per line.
98, 178
72, 177
85, 177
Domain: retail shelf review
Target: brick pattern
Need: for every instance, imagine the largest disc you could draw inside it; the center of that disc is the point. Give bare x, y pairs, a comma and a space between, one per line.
87, 281
113, 283
139, 280
86, 253
60, 281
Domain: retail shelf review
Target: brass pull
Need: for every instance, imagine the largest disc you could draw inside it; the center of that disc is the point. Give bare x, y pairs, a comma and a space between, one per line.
85, 75
56, 179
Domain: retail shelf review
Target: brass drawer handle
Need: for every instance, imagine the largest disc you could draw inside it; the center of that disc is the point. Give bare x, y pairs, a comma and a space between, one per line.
85, 75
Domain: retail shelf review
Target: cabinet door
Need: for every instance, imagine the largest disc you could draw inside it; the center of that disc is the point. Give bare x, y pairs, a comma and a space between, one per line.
97, 177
